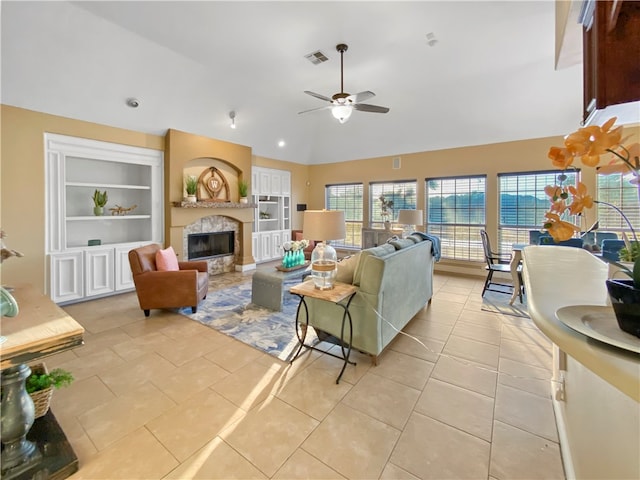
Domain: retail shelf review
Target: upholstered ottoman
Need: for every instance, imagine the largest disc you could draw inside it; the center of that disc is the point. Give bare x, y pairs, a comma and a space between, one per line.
267, 287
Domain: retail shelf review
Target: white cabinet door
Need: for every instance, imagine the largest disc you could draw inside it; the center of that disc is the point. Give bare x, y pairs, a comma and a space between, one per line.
276, 244
66, 282
99, 271
265, 246
276, 183
255, 246
124, 276
255, 182
264, 183
285, 184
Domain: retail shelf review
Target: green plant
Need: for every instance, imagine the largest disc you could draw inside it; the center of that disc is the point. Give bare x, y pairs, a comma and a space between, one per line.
100, 199
630, 253
385, 207
56, 378
191, 184
243, 188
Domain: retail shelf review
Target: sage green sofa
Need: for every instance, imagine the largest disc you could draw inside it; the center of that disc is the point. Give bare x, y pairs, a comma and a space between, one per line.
394, 281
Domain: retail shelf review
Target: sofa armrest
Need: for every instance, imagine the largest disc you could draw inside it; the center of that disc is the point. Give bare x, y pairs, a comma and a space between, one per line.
200, 266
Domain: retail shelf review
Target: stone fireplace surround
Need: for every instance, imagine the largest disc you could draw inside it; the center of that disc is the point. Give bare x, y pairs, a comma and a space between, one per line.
215, 223
182, 150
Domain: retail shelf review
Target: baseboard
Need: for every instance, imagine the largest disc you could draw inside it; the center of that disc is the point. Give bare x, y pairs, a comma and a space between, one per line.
563, 437
245, 268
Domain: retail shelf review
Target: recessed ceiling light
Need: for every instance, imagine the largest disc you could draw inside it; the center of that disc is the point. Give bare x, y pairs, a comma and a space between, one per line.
133, 102
281, 143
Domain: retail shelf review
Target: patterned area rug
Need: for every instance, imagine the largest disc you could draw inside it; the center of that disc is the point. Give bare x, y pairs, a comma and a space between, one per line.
229, 310
499, 303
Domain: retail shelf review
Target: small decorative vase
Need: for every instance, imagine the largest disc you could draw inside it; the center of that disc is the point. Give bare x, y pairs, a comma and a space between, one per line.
300, 257
387, 225
244, 200
625, 299
98, 211
286, 260
191, 198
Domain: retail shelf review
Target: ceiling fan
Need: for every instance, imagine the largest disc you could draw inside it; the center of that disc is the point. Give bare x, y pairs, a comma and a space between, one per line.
342, 104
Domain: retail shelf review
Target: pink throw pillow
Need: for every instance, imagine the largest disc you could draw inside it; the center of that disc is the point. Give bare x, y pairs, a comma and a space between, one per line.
166, 260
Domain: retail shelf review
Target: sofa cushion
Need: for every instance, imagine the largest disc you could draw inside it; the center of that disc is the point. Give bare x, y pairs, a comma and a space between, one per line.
415, 238
347, 268
166, 260
380, 251
402, 243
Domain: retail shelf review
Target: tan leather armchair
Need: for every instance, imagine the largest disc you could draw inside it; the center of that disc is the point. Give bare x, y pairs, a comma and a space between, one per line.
182, 288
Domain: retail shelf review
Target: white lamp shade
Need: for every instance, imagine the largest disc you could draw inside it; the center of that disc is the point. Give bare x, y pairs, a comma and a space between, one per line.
323, 225
410, 217
341, 112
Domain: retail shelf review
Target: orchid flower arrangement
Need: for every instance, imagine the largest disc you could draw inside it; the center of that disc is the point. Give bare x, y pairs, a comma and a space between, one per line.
385, 207
589, 144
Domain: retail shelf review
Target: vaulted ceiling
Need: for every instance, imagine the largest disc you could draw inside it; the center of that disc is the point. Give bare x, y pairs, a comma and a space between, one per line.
488, 78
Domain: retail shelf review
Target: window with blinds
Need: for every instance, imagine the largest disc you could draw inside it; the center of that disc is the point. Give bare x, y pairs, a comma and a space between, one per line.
617, 190
456, 213
348, 198
402, 193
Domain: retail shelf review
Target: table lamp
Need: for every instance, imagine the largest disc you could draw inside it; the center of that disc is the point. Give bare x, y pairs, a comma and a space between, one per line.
409, 217
323, 225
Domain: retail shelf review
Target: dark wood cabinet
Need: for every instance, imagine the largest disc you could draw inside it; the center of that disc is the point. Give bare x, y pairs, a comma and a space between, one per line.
611, 50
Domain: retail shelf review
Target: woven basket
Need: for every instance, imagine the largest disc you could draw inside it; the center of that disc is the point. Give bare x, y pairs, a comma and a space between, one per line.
41, 398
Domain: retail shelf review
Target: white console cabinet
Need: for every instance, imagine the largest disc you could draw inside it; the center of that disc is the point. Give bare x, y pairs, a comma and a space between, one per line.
132, 178
271, 192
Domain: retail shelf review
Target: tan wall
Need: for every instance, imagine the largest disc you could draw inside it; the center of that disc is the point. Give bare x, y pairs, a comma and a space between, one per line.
22, 199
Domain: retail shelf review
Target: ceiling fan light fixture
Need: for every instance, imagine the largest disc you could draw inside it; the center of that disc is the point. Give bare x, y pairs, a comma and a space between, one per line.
341, 112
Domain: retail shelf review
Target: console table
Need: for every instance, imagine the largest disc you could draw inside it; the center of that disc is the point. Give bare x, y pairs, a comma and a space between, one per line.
41, 328
341, 294
372, 237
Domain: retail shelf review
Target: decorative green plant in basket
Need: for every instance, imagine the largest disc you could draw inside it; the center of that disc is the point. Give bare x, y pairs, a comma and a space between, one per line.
191, 184
41, 383
100, 198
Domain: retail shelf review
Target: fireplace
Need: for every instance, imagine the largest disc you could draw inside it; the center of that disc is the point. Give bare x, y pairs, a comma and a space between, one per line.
210, 245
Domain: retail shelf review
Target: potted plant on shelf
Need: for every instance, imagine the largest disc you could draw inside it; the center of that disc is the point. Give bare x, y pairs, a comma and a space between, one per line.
243, 190
590, 143
99, 201
191, 185
40, 385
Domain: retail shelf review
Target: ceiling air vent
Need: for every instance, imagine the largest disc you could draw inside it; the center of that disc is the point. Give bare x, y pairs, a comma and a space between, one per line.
316, 57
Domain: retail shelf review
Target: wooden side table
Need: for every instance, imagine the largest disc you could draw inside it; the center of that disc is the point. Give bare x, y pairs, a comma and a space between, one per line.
341, 295
41, 328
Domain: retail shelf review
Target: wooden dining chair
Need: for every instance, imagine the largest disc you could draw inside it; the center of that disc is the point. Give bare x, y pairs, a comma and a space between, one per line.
497, 263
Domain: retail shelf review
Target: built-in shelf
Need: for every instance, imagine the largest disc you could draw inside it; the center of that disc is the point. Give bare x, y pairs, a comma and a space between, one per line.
107, 217
213, 205
107, 185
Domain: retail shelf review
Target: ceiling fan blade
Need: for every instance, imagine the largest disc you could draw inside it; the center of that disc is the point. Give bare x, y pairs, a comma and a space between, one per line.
315, 109
364, 107
317, 95
360, 97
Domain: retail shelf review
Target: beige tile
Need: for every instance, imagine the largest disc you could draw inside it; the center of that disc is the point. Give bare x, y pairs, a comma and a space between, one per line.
100, 341
461, 408
521, 455
526, 335
526, 411
354, 444
404, 369
417, 346
524, 377
145, 326
191, 378
138, 455
438, 453
140, 345
80, 396
314, 392
187, 427
444, 296
457, 289
383, 399
185, 349
466, 374
250, 385
77, 437
93, 364
439, 316
429, 329
269, 434
526, 353
393, 472
215, 461
303, 466
483, 319
473, 350
132, 411
352, 374
180, 327
54, 361
234, 355
477, 332
147, 368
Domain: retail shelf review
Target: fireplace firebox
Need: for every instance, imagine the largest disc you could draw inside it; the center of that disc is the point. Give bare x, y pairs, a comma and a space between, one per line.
210, 245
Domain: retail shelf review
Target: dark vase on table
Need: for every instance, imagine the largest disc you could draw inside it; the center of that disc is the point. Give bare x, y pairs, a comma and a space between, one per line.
625, 299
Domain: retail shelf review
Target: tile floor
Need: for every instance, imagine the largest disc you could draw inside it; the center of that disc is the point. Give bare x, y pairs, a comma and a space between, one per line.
165, 397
